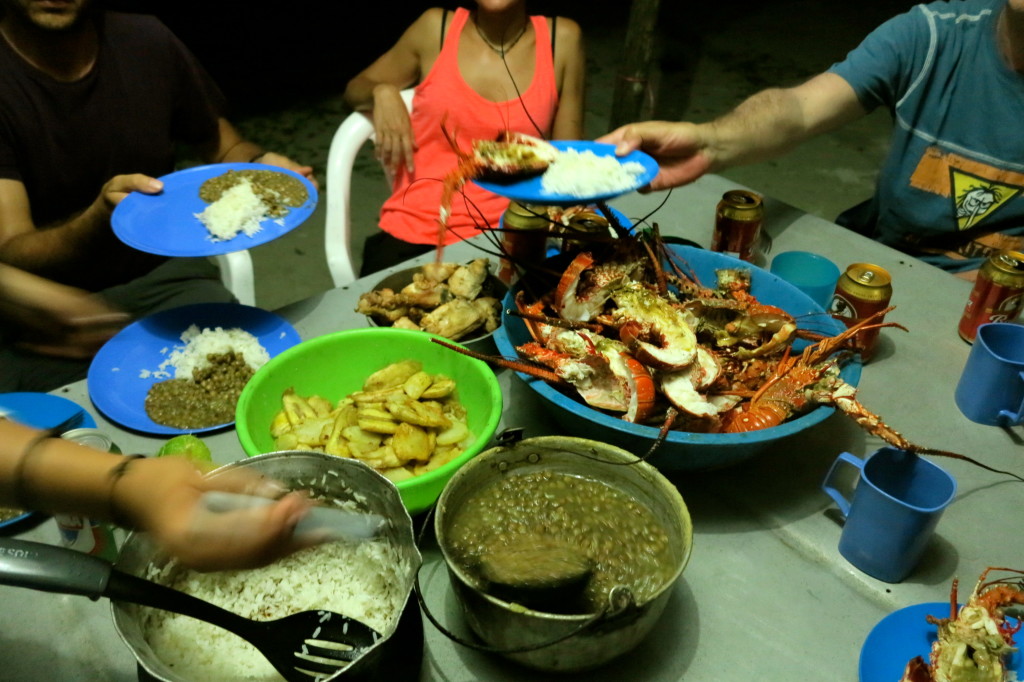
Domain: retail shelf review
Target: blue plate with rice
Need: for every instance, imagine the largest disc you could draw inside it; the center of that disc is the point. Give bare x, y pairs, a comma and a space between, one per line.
167, 224
562, 183
140, 355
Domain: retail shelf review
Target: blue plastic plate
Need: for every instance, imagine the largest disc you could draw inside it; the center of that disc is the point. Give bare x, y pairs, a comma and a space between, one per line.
682, 450
165, 223
904, 634
115, 385
530, 190
41, 411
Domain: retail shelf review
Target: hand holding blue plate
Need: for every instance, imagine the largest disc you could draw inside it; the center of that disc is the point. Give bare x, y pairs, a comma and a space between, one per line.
114, 379
531, 190
901, 636
165, 224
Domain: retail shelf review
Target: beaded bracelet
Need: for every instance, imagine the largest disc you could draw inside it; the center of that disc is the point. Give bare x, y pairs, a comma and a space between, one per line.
18, 478
115, 475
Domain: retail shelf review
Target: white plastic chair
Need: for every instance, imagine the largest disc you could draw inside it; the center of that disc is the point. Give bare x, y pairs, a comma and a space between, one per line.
351, 135
237, 275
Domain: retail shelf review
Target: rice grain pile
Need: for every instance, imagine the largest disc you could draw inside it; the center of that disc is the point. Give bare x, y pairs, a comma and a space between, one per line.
239, 209
199, 344
585, 174
361, 580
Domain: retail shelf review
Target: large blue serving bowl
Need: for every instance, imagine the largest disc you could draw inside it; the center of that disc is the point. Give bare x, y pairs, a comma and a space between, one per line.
681, 450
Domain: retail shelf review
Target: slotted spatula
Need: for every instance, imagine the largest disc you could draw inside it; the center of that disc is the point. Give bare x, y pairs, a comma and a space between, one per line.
303, 646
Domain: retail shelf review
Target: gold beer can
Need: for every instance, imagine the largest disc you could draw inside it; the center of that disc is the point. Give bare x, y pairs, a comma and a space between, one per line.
524, 235
862, 291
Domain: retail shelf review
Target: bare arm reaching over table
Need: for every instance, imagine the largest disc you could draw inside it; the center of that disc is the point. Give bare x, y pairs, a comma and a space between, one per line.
765, 126
159, 495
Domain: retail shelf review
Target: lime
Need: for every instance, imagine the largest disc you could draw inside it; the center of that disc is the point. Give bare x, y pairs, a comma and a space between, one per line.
188, 445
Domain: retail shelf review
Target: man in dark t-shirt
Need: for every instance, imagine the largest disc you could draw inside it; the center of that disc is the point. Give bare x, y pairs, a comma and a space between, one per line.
93, 106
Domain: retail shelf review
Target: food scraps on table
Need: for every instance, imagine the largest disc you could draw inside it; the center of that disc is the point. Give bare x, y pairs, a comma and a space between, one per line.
446, 299
404, 422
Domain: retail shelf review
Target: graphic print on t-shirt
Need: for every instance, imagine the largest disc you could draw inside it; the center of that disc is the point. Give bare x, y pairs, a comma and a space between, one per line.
974, 198
977, 190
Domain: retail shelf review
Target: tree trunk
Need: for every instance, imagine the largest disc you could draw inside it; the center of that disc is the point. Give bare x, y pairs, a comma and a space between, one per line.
632, 83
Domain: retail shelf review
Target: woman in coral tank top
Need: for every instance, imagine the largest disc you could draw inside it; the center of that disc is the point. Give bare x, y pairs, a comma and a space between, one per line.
482, 71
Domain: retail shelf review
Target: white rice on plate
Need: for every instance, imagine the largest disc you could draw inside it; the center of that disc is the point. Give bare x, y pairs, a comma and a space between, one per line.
585, 174
361, 580
239, 209
201, 343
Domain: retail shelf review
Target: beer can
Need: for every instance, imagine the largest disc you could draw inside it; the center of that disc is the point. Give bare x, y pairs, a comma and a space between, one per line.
79, 532
862, 291
998, 293
524, 236
738, 222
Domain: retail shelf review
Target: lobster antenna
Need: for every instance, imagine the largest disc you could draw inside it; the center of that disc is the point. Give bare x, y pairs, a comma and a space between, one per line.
656, 208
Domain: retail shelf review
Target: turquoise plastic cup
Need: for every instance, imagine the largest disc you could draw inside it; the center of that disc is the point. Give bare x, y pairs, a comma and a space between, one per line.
812, 274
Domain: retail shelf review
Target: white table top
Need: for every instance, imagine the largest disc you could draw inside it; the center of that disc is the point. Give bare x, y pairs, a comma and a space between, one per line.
766, 594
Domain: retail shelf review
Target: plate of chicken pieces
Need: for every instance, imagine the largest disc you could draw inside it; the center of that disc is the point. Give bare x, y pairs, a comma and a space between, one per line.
461, 302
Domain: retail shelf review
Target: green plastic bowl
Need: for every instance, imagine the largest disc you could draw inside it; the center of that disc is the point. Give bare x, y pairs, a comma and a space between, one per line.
335, 365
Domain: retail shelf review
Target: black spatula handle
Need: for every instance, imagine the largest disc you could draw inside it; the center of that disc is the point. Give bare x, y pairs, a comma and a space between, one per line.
49, 568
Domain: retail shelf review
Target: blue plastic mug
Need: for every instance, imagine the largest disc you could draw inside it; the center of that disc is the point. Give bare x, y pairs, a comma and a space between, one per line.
812, 274
991, 387
895, 508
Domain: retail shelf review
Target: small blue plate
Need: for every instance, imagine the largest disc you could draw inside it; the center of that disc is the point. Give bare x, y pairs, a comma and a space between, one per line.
41, 411
165, 223
530, 190
115, 385
904, 634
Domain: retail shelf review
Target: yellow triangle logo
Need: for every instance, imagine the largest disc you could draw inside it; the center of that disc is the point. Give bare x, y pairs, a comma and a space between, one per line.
976, 198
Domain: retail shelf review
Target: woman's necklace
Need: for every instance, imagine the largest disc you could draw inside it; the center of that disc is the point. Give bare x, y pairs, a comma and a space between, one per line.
500, 49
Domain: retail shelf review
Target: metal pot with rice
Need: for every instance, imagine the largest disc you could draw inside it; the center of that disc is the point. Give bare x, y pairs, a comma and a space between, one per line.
562, 552
370, 581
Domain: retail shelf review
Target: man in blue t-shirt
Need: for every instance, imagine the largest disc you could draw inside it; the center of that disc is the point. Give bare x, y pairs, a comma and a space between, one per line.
952, 75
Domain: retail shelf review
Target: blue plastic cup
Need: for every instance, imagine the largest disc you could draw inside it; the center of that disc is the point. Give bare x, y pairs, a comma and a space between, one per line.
991, 387
812, 274
896, 505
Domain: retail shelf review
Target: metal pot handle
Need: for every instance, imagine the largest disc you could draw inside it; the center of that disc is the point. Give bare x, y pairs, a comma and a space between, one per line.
620, 604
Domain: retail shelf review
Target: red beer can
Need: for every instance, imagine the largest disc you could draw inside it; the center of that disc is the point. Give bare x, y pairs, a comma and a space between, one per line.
862, 291
738, 222
998, 293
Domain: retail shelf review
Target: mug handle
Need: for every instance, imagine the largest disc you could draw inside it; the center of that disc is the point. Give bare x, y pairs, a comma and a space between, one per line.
829, 488
1018, 418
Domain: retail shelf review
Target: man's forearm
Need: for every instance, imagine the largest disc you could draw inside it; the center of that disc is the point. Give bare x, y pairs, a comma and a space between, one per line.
764, 126
55, 251
774, 121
